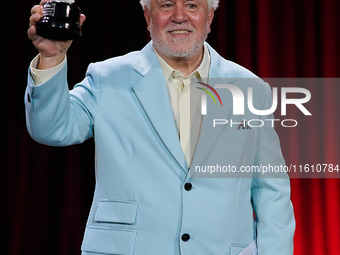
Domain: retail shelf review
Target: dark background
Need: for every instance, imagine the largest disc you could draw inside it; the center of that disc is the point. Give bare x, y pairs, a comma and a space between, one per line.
46, 192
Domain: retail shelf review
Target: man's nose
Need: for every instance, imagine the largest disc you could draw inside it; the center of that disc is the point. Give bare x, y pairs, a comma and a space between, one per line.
179, 14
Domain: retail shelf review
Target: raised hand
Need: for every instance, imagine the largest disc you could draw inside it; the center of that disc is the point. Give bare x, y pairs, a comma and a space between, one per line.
52, 52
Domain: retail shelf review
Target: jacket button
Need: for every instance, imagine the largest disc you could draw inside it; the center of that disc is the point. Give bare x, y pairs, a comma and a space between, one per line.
185, 237
188, 186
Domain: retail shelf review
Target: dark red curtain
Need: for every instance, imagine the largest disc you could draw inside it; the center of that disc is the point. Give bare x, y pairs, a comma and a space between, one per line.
47, 192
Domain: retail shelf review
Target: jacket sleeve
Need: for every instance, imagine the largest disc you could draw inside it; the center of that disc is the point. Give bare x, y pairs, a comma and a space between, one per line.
59, 117
275, 224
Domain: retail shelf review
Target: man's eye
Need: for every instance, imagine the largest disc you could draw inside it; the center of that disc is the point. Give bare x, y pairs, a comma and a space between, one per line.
192, 6
166, 5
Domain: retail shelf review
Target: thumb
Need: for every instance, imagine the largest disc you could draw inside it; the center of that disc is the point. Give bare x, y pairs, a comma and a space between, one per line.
44, 1
82, 19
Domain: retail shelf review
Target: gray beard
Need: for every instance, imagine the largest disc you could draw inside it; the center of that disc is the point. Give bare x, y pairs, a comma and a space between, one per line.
162, 46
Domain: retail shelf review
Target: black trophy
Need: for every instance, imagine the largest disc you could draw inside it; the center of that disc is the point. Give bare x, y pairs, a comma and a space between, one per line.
60, 20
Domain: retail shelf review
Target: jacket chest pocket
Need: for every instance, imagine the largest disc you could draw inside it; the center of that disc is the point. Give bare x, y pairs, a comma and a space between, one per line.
238, 135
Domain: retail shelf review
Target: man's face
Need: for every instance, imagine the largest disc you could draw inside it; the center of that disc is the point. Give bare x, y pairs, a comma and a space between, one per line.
179, 28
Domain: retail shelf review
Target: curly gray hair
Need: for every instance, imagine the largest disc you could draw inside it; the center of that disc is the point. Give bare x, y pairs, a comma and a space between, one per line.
211, 3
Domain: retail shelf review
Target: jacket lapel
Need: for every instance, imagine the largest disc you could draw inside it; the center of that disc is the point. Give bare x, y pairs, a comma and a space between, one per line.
209, 134
151, 92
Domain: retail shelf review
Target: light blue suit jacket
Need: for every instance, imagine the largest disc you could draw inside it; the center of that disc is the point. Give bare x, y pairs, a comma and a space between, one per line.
140, 204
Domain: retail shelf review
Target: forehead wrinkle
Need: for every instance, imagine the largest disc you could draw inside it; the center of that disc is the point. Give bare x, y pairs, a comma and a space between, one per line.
193, 1
161, 1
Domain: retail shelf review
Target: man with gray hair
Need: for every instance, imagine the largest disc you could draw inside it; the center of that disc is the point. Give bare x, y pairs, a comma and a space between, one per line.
137, 108
211, 4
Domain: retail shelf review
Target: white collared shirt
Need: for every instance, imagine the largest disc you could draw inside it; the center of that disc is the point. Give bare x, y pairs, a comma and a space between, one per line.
187, 97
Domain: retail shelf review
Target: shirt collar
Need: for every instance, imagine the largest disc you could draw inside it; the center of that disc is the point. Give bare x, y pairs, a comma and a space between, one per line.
203, 69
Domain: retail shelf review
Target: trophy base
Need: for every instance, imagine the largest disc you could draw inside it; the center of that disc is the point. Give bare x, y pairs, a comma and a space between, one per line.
56, 30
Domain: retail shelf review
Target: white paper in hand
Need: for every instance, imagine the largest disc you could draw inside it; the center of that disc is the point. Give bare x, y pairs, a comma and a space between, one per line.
67, 1
251, 249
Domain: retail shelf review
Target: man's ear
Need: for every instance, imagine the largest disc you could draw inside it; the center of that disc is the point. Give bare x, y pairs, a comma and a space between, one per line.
210, 17
147, 16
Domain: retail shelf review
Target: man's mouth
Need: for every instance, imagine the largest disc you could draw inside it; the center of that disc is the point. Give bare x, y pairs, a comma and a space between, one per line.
179, 32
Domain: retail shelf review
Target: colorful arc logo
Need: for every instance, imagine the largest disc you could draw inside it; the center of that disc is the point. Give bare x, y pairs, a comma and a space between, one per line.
209, 93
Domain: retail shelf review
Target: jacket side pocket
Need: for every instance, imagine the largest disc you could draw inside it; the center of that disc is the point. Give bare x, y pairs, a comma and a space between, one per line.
119, 212
108, 241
